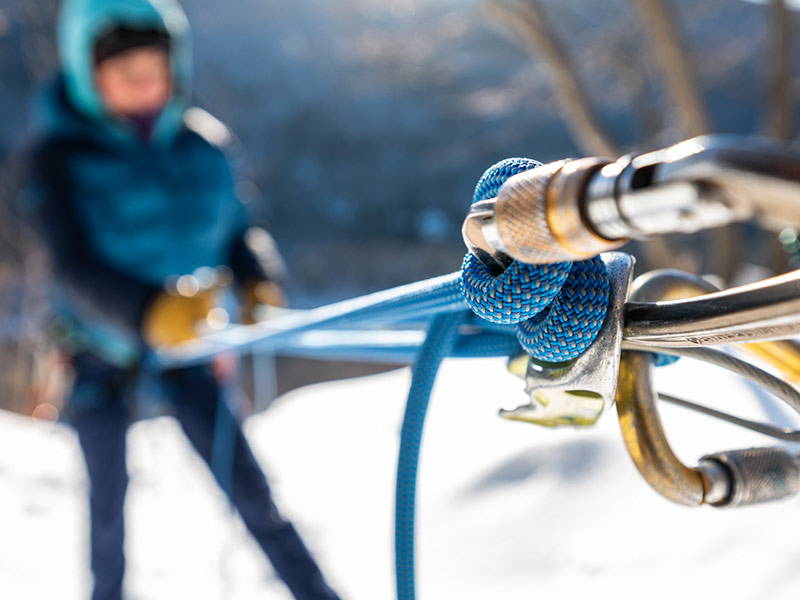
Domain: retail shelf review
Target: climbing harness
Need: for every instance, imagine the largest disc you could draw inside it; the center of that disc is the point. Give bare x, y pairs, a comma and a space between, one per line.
541, 287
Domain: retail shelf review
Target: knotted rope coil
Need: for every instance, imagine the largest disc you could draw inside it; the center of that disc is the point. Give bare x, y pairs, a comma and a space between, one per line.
558, 308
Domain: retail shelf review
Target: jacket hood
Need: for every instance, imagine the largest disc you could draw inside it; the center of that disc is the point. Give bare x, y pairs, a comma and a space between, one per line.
83, 21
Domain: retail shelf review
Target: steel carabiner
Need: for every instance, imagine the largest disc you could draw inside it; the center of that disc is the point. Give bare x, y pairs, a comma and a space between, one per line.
733, 478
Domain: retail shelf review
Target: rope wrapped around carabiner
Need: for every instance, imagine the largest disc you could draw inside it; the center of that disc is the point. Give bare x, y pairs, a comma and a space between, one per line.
558, 308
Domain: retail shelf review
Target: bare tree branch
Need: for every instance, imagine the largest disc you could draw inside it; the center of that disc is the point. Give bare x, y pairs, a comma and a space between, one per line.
674, 64
679, 79
779, 101
526, 19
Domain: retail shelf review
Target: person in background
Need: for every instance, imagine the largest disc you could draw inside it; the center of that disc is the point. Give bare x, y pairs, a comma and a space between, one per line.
136, 203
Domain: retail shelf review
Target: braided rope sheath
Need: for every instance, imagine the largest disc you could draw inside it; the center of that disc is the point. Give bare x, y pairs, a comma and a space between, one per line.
559, 308
439, 343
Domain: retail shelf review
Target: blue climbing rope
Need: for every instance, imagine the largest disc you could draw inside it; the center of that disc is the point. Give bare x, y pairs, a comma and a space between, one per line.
557, 310
439, 342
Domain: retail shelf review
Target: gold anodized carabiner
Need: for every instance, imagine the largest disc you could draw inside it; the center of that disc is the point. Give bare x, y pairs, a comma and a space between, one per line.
636, 397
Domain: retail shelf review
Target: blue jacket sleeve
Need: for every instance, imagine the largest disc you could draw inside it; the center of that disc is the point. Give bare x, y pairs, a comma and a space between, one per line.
254, 256
95, 287
252, 252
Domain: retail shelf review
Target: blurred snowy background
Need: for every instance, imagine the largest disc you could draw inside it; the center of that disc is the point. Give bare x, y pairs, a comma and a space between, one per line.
506, 510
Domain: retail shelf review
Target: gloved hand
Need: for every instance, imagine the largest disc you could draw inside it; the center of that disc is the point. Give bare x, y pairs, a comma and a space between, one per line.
172, 319
258, 293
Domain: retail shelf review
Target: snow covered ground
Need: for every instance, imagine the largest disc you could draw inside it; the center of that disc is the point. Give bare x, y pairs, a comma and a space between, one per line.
507, 510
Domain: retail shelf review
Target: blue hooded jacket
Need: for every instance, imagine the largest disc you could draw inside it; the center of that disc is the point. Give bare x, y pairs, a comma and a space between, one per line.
120, 214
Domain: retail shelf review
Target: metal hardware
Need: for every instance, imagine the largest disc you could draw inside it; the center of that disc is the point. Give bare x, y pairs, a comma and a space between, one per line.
571, 210
775, 385
576, 393
672, 284
766, 310
481, 214
782, 433
536, 218
697, 184
638, 196
756, 475
646, 441
733, 478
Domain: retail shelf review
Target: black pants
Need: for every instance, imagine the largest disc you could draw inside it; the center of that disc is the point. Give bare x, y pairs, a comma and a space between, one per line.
101, 418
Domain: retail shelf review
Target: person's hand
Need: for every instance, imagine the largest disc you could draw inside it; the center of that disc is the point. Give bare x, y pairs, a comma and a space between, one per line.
172, 319
260, 293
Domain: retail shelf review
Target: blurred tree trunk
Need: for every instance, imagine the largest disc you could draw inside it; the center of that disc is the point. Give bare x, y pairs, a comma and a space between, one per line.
779, 100
679, 79
526, 19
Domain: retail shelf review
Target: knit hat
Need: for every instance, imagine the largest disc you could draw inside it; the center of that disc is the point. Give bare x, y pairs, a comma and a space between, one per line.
120, 39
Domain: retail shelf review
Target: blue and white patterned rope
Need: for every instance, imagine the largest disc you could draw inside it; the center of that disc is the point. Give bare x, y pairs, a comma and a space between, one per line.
558, 308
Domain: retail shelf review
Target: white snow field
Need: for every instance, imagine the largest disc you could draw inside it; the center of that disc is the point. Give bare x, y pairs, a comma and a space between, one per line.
508, 511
